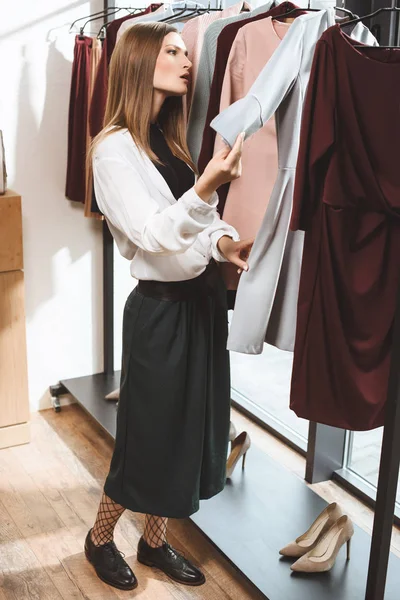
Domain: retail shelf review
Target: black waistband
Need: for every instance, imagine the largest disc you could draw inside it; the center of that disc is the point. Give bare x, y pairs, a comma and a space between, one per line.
200, 286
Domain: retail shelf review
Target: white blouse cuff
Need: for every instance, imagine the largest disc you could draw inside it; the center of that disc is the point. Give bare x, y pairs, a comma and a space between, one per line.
217, 235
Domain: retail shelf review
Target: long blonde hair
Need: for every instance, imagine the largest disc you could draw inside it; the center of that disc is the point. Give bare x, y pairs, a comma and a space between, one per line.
130, 93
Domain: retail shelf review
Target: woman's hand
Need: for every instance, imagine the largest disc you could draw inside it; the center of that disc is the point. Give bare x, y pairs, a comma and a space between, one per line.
236, 252
225, 166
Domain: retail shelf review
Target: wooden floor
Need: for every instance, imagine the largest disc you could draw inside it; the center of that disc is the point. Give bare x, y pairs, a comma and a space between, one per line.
49, 493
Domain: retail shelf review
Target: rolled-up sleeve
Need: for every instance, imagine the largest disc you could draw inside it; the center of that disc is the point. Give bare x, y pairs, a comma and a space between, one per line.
125, 201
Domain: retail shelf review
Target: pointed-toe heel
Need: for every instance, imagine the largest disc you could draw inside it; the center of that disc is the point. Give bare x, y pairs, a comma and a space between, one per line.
240, 446
114, 395
308, 540
323, 556
348, 548
232, 433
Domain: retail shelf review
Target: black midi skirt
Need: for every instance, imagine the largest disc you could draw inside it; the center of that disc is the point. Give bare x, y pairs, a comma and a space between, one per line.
174, 407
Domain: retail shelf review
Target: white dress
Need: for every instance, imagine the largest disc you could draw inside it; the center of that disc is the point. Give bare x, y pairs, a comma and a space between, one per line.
266, 302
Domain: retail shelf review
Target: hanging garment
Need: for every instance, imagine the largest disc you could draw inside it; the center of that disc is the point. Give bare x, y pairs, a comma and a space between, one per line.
174, 407
100, 88
75, 188
95, 57
201, 94
225, 41
245, 207
193, 35
266, 301
166, 240
347, 200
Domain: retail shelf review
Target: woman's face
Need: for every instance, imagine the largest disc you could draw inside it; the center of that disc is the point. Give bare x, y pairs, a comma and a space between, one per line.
172, 72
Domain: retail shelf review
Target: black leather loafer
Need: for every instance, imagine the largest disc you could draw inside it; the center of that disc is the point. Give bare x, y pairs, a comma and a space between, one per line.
168, 560
109, 565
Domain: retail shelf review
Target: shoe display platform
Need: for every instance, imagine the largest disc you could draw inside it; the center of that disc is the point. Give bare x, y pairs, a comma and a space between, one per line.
265, 507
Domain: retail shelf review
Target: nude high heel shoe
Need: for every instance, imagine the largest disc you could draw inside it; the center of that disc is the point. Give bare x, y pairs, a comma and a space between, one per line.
308, 540
240, 445
323, 556
114, 395
232, 433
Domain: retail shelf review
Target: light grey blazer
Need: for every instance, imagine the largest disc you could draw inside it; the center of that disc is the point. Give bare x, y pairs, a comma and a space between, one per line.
266, 302
201, 95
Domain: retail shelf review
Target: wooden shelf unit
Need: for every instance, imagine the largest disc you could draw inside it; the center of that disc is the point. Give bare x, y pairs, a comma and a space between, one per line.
14, 401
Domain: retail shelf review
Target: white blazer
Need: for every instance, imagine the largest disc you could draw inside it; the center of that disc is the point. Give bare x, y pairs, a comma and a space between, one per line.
166, 239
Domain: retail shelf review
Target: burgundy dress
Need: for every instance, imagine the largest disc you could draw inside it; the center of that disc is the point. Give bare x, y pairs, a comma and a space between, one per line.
75, 187
347, 199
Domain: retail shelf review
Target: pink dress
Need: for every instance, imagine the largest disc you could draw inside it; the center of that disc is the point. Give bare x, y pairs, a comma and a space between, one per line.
245, 207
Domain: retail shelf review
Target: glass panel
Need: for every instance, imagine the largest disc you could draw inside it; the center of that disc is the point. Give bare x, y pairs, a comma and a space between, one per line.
261, 383
365, 454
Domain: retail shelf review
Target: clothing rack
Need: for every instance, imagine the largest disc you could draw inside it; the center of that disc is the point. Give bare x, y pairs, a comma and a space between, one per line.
105, 14
228, 518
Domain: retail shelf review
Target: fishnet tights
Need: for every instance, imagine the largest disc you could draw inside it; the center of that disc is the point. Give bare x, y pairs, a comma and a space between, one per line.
107, 517
155, 530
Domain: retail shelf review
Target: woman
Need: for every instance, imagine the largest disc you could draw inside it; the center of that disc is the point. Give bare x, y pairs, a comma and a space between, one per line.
173, 413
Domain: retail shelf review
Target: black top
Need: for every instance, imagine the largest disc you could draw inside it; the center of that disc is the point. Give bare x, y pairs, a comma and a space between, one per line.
177, 174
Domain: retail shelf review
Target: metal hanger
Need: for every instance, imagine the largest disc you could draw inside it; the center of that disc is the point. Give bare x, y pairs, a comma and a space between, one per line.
195, 10
102, 30
347, 12
370, 16
178, 14
100, 13
109, 14
291, 9
198, 9
374, 14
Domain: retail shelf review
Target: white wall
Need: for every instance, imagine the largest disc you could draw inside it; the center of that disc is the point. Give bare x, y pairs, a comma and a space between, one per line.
62, 249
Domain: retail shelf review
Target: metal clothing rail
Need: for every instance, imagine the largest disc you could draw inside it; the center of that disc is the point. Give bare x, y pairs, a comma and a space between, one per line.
89, 392
105, 13
388, 476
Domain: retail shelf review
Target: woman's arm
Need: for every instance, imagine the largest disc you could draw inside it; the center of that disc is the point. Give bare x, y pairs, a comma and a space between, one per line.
125, 201
217, 230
